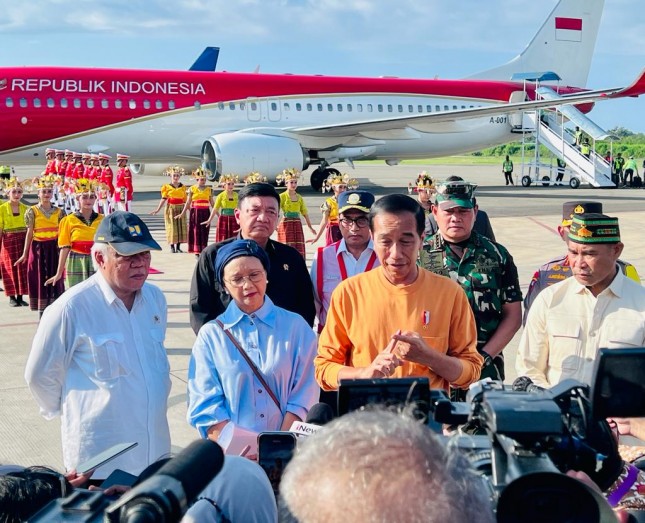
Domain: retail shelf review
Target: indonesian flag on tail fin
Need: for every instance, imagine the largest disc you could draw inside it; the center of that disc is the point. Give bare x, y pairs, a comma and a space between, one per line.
568, 29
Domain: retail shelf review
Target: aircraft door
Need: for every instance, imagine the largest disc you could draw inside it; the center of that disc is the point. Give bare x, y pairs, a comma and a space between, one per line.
516, 118
253, 110
273, 109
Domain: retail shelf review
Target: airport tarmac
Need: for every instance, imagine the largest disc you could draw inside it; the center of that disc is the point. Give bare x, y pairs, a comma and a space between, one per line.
524, 220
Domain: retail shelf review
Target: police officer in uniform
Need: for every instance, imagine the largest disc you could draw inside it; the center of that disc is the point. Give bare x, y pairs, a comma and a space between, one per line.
483, 268
5, 172
558, 269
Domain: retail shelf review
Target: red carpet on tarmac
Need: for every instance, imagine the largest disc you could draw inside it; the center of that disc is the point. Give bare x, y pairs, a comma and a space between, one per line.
152, 270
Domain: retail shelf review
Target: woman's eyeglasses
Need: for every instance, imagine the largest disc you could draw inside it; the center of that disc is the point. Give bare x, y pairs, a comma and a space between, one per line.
254, 277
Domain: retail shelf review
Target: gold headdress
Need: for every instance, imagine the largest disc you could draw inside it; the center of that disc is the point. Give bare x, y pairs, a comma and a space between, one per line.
288, 175
12, 182
174, 169
255, 178
339, 179
200, 172
228, 178
423, 182
84, 185
46, 181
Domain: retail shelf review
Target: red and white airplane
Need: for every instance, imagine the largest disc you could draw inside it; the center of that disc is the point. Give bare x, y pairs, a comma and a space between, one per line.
239, 123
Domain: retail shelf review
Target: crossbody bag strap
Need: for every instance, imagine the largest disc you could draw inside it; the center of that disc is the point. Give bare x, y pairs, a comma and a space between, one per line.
254, 368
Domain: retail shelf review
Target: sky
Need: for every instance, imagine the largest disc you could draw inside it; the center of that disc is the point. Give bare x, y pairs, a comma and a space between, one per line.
404, 38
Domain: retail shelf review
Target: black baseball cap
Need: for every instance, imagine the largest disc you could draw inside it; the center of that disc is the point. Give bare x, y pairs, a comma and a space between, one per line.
126, 233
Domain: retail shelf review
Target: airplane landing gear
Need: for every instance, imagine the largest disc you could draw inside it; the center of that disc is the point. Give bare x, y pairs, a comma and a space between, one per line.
320, 175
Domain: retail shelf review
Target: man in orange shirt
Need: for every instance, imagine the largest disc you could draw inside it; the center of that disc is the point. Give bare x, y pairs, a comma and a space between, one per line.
398, 319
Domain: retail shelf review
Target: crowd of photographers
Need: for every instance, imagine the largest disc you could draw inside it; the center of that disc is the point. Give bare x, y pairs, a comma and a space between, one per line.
256, 366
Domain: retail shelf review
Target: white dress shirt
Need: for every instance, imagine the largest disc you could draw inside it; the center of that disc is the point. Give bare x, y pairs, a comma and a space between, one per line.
567, 325
105, 371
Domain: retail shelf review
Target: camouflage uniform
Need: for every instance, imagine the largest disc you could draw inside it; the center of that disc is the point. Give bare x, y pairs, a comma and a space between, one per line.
555, 271
489, 278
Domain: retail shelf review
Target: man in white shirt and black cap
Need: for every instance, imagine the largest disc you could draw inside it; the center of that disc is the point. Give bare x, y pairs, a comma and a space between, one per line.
98, 358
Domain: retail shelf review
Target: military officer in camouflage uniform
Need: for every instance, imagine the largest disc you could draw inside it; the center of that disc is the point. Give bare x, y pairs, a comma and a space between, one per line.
483, 268
558, 269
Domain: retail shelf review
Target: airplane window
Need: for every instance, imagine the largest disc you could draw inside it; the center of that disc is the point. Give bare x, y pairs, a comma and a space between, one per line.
158, 104
446, 108
410, 108
369, 108
63, 103
340, 108
330, 107
9, 102
286, 106
380, 108
309, 107
77, 103
400, 108
254, 106
389, 108
118, 104
36, 102
242, 106
231, 106
23, 102
472, 106
429, 108
454, 107
274, 106
437, 108
419, 108
132, 104
146, 104
171, 104
104, 104
359, 108
463, 106
349, 108
320, 107
50, 102
220, 106
298, 107
196, 105
90, 103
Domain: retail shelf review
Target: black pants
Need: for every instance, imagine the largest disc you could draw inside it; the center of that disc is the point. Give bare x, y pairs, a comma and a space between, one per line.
509, 178
629, 173
560, 175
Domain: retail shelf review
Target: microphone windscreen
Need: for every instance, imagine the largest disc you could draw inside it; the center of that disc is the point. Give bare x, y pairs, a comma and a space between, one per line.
320, 414
195, 466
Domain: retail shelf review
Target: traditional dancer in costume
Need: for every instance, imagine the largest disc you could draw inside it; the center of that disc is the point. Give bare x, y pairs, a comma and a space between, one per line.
40, 254
224, 209
13, 232
200, 201
76, 237
123, 186
173, 196
337, 183
293, 206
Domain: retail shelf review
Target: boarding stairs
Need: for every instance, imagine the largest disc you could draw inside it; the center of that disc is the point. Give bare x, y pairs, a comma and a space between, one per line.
550, 132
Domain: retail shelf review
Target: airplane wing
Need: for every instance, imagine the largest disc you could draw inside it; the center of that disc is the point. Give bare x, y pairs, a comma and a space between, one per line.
403, 127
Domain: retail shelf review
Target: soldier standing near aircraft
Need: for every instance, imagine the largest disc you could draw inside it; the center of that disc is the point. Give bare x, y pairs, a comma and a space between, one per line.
106, 177
50, 157
484, 269
123, 186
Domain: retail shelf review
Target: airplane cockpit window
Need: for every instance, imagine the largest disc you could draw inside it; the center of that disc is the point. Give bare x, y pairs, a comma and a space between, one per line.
158, 104
171, 104
146, 104
90, 103
36, 102
50, 102
63, 103
8, 102
77, 103
105, 104
23, 102
118, 104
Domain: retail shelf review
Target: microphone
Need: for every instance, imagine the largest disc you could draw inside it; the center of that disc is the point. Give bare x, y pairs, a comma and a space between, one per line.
525, 384
166, 496
319, 415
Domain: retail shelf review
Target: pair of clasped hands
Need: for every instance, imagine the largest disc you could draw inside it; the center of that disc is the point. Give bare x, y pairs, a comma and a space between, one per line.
403, 346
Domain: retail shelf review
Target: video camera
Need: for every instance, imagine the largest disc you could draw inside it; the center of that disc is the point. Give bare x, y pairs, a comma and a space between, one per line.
534, 436
162, 498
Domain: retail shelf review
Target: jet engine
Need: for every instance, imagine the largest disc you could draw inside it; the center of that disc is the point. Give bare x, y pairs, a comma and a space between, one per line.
244, 153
